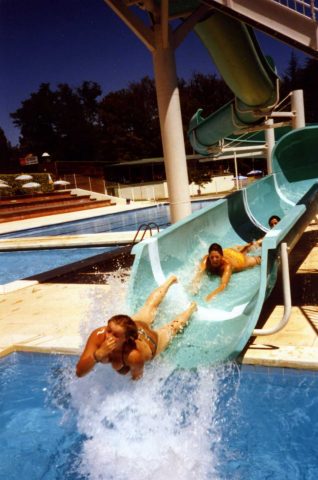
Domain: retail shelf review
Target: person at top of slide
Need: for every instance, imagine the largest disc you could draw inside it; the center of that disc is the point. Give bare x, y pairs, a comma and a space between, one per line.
272, 222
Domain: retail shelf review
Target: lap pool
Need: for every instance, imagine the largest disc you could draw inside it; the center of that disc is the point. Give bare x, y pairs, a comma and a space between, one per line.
25, 264
231, 422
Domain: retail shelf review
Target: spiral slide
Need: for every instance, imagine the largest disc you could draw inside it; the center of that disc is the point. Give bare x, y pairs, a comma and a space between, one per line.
236, 53
220, 329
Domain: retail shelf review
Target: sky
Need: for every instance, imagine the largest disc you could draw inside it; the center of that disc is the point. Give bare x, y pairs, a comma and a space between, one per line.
70, 41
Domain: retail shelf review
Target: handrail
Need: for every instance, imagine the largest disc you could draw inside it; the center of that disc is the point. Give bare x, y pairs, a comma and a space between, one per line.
287, 297
303, 7
146, 226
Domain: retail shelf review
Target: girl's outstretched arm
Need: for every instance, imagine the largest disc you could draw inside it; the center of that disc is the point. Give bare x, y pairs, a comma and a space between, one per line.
223, 283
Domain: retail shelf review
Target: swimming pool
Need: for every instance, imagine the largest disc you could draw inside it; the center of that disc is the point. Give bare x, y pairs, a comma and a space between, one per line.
25, 264
232, 422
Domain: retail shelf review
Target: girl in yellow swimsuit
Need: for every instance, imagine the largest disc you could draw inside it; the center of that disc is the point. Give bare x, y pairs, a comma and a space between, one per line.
223, 263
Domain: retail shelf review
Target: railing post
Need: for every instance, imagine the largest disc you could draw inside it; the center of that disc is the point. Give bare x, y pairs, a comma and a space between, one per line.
287, 297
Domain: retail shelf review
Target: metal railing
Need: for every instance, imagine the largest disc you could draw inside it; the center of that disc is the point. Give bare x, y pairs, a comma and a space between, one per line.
146, 227
309, 8
287, 297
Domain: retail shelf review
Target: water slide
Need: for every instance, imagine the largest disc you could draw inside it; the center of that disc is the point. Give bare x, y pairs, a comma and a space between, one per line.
251, 77
221, 328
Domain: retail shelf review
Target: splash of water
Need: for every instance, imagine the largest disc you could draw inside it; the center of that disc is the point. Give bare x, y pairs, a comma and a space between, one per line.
156, 428
147, 429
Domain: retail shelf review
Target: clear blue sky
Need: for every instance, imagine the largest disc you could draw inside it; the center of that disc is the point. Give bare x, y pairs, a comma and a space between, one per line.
71, 41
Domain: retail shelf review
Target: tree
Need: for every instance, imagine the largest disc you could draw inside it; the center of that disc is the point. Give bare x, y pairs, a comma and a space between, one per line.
292, 77
77, 122
202, 91
36, 120
5, 152
63, 122
130, 123
309, 81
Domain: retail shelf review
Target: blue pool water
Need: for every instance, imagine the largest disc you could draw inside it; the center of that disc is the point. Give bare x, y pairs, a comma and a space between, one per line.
24, 264
220, 423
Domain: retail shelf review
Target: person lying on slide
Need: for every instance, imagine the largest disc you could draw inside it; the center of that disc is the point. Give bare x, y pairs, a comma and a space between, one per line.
223, 263
127, 343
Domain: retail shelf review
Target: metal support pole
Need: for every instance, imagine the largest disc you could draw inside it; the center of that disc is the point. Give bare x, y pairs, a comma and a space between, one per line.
297, 105
236, 172
171, 128
287, 297
270, 143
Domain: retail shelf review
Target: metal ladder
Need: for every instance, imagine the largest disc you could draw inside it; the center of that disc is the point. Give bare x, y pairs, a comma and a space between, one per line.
146, 227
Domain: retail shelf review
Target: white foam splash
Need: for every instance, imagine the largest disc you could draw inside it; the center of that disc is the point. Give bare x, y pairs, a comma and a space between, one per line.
146, 429
157, 428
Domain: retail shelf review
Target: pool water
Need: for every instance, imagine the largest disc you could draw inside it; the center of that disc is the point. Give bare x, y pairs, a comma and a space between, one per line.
230, 422
24, 264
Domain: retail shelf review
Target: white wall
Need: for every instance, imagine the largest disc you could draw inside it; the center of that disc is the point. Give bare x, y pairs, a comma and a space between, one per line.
158, 191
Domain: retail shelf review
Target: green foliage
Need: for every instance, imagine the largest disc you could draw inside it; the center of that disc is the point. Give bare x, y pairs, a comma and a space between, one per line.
5, 150
63, 122
304, 78
77, 124
202, 91
200, 176
72, 124
130, 123
309, 82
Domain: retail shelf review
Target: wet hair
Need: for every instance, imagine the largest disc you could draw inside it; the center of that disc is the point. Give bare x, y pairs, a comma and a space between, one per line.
273, 217
131, 331
216, 248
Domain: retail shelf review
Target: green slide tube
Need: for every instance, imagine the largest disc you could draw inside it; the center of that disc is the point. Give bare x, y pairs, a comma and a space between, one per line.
237, 55
220, 329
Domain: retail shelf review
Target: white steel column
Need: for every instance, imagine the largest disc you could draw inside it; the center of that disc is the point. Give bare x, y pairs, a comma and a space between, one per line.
270, 143
236, 172
297, 106
171, 127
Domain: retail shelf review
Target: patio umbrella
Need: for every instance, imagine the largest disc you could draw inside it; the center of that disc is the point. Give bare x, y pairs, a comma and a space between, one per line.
24, 177
61, 182
31, 185
255, 172
4, 185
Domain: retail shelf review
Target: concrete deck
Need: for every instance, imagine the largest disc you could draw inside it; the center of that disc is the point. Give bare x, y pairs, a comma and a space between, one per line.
71, 241
296, 346
47, 317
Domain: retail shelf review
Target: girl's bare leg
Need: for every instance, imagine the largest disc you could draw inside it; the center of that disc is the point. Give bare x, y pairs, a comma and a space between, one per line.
148, 311
166, 333
252, 261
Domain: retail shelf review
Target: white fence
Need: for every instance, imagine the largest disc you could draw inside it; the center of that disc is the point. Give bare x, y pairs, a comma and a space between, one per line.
159, 191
